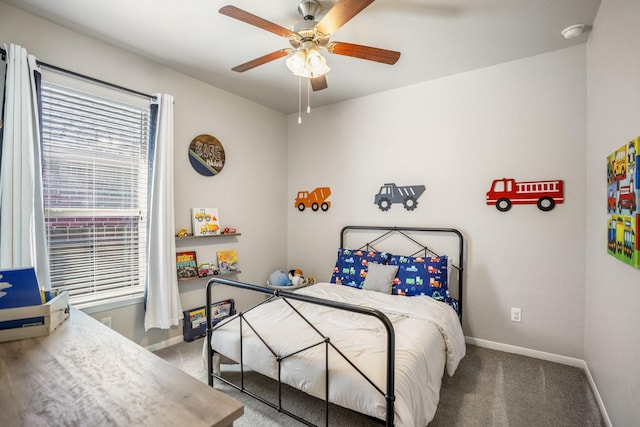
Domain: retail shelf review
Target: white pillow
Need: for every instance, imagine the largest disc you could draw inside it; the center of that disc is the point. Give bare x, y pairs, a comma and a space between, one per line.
380, 277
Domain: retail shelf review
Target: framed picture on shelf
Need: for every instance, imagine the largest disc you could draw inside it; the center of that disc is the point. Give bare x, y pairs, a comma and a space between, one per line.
187, 265
205, 221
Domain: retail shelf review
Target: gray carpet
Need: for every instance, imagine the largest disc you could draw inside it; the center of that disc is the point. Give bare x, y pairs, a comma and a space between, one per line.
490, 388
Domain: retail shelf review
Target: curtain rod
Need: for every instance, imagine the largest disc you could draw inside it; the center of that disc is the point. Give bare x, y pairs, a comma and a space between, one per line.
3, 52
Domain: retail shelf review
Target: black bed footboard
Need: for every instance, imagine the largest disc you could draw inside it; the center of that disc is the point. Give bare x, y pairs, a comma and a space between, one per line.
389, 393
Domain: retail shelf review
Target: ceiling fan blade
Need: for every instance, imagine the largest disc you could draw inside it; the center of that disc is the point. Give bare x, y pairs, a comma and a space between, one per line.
364, 52
340, 14
256, 21
262, 60
319, 83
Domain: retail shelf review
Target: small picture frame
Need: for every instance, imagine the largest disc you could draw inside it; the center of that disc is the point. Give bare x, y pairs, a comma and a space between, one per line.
205, 221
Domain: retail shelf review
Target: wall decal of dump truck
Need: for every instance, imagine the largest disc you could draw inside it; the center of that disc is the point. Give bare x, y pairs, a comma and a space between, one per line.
506, 192
391, 193
316, 199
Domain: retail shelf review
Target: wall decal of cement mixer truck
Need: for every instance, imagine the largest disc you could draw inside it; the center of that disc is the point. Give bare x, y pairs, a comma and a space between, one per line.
391, 193
506, 192
316, 199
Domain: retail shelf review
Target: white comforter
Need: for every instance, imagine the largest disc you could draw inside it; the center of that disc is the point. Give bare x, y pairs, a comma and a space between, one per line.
428, 340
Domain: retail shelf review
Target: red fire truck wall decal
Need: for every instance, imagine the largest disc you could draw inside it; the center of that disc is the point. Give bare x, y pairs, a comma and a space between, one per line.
506, 192
622, 196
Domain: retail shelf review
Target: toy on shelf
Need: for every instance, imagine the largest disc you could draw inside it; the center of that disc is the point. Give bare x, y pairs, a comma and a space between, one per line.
183, 233
296, 278
279, 278
292, 279
228, 230
208, 269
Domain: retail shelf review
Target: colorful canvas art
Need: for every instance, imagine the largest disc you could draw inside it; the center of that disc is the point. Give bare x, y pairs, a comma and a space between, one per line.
623, 177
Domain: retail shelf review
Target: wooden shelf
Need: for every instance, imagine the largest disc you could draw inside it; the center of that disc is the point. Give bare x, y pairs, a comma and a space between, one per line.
191, 238
287, 287
178, 239
192, 279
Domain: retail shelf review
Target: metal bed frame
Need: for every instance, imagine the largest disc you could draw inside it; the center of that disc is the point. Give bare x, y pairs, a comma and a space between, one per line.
389, 393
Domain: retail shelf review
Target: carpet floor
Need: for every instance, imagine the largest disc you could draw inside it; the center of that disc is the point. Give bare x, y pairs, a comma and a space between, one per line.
490, 388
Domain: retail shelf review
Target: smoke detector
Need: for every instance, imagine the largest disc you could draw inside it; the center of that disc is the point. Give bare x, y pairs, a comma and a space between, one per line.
573, 31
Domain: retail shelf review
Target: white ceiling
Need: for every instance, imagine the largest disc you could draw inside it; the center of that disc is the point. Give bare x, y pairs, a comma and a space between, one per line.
436, 37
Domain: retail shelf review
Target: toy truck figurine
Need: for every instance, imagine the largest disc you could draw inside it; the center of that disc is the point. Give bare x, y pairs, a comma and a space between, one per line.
207, 269
313, 199
506, 192
391, 193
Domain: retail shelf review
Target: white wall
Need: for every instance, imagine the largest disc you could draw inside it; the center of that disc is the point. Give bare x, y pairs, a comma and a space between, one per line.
523, 119
249, 192
612, 314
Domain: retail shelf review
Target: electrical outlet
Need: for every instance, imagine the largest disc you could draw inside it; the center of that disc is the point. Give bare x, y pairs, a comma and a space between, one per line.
106, 321
516, 314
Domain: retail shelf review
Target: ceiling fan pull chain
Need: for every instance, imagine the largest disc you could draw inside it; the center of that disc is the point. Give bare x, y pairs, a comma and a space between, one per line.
308, 96
299, 99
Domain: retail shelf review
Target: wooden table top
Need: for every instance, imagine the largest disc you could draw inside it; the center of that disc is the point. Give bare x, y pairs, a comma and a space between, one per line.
86, 374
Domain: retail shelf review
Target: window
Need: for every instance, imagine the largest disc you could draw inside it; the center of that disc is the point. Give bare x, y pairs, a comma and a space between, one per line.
95, 172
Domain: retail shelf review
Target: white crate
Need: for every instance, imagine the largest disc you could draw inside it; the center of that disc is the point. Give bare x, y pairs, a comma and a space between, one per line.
54, 312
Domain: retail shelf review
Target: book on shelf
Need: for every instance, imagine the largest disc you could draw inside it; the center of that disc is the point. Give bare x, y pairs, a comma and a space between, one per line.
197, 317
187, 265
227, 261
205, 221
221, 310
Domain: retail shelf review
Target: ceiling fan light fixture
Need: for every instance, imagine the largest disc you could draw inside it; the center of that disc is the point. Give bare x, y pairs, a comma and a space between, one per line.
307, 63
297, 63
316, 63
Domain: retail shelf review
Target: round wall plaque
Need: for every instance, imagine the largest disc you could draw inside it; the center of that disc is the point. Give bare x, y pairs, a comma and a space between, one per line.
206, 155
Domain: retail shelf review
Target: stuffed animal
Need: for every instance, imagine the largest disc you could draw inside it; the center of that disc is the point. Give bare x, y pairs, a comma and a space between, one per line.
296, 277
279, 278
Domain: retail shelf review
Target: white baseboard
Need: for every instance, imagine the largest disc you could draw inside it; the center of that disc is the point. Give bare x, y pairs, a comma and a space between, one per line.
507, 348
165, 343
551, 357
603, 410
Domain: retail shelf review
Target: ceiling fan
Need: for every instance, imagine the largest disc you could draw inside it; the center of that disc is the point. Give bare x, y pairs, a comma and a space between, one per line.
308, 37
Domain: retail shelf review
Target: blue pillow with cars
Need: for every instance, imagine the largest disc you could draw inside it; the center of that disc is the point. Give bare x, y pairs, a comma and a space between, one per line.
352, 266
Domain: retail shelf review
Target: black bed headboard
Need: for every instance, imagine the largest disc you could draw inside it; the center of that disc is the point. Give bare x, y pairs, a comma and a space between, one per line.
374, 236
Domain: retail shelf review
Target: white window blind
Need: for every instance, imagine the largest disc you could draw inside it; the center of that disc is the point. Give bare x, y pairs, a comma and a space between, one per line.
95, 172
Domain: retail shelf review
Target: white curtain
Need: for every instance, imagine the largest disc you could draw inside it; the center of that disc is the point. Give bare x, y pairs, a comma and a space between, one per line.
22, 229
163, 307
